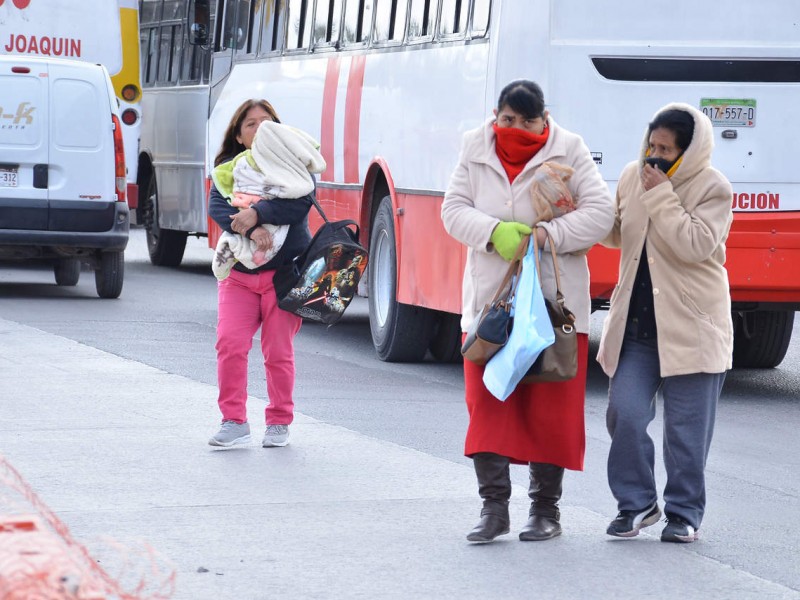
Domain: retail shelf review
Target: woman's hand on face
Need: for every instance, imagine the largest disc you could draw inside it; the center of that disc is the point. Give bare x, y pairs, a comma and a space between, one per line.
244, 221
651, 177
262, 238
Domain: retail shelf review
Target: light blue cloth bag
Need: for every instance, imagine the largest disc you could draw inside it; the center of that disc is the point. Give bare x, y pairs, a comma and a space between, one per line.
531, 333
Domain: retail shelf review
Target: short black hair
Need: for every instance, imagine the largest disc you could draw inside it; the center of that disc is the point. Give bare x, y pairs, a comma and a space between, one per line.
524, 97
678, 122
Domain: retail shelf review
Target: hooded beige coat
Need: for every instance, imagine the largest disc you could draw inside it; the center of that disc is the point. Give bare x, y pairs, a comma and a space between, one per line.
479, 196
685, 223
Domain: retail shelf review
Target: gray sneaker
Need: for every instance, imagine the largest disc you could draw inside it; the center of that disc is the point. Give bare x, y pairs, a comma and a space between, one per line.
231, 434
276, 435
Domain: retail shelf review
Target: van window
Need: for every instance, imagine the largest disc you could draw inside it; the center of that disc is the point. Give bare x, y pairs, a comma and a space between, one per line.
76, 115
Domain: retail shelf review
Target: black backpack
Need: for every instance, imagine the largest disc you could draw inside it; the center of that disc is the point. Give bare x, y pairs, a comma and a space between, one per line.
320, 283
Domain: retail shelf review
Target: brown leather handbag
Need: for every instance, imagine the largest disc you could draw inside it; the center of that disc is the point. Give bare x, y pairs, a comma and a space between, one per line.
489, 331
558, 362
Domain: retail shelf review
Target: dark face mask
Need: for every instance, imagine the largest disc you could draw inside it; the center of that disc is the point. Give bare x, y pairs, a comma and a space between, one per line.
662, 164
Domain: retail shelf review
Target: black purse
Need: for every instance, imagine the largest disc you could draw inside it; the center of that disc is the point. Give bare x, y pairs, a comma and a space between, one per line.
558, 362
489, 331
320, 283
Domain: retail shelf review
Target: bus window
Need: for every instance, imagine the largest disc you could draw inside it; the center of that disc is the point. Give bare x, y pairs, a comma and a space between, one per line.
357, 21
298, 25
149, 54
268, 16
236, 25
193, 63
150, 12
390, 20
480, 17
174, 9
326, 27
245, 16
454, 17
177, 50
420, 23
165, 54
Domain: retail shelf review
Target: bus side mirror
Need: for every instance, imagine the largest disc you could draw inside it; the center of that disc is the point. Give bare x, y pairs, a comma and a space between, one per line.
199, 22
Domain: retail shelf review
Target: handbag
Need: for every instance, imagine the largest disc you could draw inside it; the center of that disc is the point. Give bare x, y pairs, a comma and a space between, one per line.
530, 334
558, 362
320, 283
489, 331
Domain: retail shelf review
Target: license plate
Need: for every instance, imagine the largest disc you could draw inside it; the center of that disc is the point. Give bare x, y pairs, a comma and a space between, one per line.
8, 177
730, 112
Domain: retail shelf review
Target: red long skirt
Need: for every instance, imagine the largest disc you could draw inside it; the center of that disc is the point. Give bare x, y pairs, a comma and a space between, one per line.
538, 422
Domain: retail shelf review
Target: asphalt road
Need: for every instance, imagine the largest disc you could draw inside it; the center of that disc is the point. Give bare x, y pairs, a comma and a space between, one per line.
165, 318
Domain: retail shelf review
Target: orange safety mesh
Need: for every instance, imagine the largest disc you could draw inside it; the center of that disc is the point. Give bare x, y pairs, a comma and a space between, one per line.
40, 560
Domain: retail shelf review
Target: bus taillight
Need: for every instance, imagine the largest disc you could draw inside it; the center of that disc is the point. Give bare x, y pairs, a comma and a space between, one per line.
119, 160
130, 93
129, 116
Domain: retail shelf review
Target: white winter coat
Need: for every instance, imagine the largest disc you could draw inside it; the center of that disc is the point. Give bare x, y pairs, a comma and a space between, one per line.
684, 222
479, 196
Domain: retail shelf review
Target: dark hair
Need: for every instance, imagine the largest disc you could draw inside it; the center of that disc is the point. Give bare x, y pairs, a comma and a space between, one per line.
230, 146
678, 122
524, 97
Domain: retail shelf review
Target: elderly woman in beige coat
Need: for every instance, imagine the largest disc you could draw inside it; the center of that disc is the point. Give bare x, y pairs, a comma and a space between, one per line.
488, 208
669, 327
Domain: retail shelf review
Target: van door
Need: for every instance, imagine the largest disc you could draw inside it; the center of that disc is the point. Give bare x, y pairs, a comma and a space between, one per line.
23, 143
81, 186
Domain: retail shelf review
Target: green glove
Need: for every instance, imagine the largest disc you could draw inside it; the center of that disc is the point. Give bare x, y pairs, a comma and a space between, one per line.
507, 236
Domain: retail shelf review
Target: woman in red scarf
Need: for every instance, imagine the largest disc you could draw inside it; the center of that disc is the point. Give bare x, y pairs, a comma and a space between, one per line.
488, 207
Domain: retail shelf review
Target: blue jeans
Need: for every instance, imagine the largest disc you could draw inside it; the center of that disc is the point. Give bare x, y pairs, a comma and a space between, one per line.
690, 403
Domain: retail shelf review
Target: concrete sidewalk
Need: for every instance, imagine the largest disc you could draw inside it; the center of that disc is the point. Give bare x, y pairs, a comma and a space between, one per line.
117, 448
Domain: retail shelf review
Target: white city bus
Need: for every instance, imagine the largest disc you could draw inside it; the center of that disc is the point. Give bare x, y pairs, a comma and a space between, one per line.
390, 86
97, 31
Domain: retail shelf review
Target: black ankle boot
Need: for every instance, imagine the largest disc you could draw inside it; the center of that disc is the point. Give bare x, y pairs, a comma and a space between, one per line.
494, 521
494, 486
545, 492
540, 528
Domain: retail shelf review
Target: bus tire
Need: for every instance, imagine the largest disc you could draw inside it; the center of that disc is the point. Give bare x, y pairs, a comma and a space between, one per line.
400, 332
109, 274
67, 271
761, 338
446, 343
165, 246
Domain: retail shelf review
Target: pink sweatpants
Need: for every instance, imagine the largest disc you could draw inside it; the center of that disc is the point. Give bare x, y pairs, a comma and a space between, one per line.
247, 301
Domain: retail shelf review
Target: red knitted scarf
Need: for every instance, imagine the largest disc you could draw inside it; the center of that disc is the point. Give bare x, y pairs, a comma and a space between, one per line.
515, 147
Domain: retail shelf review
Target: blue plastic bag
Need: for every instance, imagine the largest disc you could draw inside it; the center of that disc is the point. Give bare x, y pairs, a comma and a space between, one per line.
531, 333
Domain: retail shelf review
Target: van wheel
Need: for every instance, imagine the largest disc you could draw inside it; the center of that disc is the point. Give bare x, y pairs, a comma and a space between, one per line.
67, 271
400, 332
165, 246
109, 274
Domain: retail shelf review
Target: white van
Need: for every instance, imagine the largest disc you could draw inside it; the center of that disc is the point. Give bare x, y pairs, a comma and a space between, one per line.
62, 170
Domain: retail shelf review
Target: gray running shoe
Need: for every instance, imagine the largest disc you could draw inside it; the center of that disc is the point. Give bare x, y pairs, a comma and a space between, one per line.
231, 434
679, 530
276, 435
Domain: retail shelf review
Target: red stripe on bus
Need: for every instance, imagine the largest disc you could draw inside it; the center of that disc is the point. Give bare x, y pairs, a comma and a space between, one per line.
352, 118
328, 113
